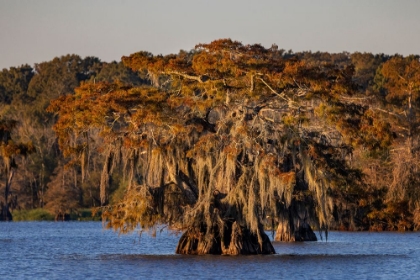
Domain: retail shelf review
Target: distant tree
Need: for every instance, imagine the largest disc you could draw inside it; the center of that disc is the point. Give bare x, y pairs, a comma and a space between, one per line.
366, 65
9, 151
62, 196
36, 170
401, 86
14, 83
24, 94
50, 80
339, 60
59, 77
117, 71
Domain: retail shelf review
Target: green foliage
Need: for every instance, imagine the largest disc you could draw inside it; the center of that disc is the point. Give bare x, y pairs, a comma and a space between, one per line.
38, 214
58, 77
119, 193
366, 65
116, 71
14, 83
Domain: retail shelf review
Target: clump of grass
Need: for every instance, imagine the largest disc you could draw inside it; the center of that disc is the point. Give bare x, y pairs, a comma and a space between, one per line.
41, 214
38, 214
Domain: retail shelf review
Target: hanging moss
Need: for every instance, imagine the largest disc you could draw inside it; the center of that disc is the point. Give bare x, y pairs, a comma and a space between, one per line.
218, 152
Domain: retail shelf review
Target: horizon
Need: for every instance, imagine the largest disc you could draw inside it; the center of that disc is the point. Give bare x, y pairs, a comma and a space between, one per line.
38, 31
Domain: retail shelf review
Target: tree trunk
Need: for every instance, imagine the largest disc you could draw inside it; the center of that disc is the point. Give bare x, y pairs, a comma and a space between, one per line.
303, 232
292, 228
230, 239
5, 211
5, 214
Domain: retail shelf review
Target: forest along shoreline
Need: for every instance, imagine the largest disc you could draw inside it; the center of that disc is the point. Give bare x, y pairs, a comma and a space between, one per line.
42, 215
223, 141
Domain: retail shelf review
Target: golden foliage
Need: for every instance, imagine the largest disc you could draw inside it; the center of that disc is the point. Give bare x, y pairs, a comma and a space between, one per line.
241, 164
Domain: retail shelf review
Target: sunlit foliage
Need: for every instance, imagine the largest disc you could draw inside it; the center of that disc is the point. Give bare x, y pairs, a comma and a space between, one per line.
227, 137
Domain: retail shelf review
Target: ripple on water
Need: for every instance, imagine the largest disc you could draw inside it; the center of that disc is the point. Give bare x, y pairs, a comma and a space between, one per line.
6, 240
86, 251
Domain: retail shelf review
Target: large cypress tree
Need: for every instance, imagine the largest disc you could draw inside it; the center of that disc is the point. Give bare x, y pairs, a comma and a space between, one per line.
227, 138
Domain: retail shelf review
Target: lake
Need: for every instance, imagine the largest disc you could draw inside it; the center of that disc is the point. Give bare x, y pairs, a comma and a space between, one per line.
84, 250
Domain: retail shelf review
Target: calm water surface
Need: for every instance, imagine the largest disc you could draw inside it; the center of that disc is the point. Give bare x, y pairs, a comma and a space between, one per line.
84, 250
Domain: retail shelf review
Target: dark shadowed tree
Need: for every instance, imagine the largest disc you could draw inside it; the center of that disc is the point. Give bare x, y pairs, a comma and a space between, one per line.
117, 71
14, 83
9, 152
365, 65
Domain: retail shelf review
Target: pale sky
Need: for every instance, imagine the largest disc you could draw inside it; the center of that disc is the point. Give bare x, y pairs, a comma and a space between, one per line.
39, 30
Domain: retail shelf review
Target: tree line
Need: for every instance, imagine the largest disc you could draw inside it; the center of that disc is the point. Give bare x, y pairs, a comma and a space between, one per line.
224, 140
43, 178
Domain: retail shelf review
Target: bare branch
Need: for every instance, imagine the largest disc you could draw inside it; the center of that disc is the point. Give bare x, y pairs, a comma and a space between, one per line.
190, 77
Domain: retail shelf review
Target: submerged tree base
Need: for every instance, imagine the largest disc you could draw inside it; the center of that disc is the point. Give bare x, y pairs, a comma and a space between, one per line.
303, 232
233, 240
5, 214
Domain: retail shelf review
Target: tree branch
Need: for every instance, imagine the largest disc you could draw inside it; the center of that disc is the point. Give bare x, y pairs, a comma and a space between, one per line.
281, 95
190, 77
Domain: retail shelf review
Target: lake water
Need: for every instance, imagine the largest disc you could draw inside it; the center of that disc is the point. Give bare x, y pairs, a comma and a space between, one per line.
84, 250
